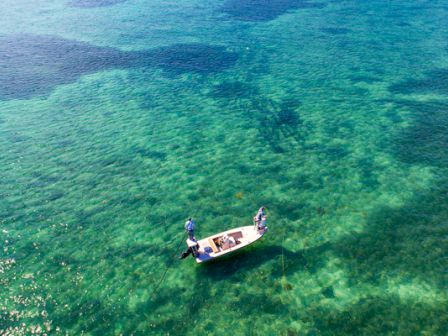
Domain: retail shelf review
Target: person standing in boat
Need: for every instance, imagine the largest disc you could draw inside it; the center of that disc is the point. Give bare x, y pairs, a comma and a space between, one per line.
189, 227
260, 218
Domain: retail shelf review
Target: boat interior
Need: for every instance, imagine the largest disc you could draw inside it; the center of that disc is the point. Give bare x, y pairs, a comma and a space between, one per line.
217, 245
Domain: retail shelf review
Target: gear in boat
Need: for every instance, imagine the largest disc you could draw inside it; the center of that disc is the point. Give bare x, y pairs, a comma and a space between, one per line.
225, 242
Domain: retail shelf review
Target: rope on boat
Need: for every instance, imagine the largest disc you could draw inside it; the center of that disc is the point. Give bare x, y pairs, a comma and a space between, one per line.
168, 267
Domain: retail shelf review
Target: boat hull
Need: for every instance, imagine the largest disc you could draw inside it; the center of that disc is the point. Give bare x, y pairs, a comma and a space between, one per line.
209, 249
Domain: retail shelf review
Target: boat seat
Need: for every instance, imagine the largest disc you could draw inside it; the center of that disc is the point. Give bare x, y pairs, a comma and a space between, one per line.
213, 245
237, 236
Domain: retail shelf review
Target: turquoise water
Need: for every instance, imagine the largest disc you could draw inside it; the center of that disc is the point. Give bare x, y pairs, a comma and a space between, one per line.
120, 119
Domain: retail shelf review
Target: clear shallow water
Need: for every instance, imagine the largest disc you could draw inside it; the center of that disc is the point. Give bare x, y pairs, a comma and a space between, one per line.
119, 119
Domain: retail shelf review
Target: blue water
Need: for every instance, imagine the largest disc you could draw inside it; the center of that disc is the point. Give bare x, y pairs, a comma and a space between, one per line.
121, 119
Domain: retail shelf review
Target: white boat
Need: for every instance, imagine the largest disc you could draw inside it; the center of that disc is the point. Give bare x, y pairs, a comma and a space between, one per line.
227, 242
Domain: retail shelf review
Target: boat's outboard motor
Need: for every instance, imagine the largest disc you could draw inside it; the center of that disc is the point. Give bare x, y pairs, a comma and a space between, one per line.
193, 247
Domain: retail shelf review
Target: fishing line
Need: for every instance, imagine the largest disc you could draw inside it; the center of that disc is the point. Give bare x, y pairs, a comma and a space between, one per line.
170, 242
283, 255
167, 268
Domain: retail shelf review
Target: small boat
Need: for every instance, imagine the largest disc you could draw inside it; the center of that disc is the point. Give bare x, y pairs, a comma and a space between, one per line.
227, 242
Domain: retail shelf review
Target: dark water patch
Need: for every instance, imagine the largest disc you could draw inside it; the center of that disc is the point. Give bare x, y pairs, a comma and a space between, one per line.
328, 292
149, 153
287, 114
27, 251
335, 152
264, 10
243, 169
102, 316
115, 161
328, 151
335, 128
403, 24
87, 216
345, 43
147, 101
307, 183
233, 90
380, 315
435, 81
107, 114
261, 303
132, 200
62, 260
321, 211
279, 123
193, 57
129, 252
359, 91
15, 137
148, 199
368, 170
220, 138
176, 323
32, 65
393, 116
94, 3
274, 168
91, 315
40, 180
291, 210
44, 176
426, 140
364, 79
61, 143
288, 287
376, 71
335, 30
55, 195
406, 242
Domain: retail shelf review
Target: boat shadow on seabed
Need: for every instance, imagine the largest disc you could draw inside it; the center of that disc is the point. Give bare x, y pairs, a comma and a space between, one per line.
253, 257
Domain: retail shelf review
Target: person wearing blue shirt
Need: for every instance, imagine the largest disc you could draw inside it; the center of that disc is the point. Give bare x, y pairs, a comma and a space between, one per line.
260, 219
189, 227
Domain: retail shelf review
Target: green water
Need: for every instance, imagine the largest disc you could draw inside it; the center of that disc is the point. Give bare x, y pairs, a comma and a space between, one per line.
120, 119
